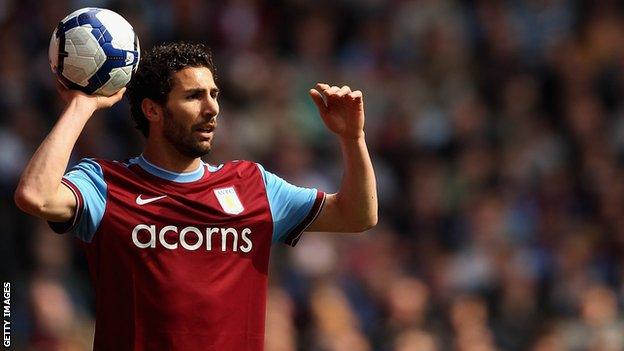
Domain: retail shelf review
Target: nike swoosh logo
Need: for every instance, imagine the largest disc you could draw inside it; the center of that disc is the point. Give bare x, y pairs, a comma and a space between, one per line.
142, 201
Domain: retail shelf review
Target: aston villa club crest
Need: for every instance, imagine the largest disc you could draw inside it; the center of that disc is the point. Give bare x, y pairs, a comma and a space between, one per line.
229, 201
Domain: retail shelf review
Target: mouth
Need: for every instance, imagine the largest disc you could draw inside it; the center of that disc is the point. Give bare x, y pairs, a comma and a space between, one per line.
206, 131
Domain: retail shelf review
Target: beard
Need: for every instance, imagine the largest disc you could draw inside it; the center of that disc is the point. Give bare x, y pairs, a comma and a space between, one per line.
183, 139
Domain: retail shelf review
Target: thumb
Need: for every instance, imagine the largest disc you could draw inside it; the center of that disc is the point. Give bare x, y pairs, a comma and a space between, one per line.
117, 96
108, 101
318, 100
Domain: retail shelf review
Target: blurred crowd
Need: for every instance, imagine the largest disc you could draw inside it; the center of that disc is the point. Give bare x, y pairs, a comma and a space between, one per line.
497, 133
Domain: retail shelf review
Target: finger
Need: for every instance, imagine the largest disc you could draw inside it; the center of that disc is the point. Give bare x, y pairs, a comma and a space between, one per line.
319, 99
121, 92
322, 87
60, 86
111, 100
332, 90
343, 91
118, 95
356, 95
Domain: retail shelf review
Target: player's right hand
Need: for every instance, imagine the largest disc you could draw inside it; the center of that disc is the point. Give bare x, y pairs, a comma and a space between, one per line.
92, 102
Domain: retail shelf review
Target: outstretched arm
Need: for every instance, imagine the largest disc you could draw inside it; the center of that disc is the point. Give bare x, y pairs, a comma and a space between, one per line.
354, 207
40, 192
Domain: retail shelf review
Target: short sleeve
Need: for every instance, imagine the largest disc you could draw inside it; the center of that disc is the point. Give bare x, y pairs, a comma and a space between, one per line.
293, 208
86, 181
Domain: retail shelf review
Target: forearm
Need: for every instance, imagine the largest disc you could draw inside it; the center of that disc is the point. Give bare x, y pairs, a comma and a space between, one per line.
357, 197
354, 207
41, 178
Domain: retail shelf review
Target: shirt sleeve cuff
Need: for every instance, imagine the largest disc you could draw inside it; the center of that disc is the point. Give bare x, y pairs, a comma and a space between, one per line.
294, 235
67, 226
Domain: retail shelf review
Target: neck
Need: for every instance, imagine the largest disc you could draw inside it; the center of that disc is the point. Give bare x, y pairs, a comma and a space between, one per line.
164, 155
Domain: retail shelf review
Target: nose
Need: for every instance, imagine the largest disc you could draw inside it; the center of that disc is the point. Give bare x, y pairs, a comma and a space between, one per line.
211, 107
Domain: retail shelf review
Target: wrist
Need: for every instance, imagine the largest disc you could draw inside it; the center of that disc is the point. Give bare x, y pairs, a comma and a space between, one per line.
352, 138
82, 106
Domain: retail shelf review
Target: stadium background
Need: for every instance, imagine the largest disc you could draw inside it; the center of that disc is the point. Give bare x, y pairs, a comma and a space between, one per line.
497, 133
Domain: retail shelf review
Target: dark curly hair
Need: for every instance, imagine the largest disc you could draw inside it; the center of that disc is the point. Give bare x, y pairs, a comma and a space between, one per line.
154, 77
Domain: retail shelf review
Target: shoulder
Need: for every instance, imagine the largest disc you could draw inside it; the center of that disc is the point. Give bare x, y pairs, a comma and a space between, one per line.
93, 163
99, 168
90, 166
117, 166
243, 168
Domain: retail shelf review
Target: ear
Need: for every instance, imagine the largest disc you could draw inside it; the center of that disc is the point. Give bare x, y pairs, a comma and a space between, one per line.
152, 110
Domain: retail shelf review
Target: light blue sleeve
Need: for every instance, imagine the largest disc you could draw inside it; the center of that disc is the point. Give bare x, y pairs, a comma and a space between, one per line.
86, 180
290, 205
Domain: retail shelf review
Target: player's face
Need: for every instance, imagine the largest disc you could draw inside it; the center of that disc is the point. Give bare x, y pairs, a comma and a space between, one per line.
191, 111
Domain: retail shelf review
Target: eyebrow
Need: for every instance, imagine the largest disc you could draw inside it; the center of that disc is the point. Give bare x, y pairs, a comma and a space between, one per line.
199, 90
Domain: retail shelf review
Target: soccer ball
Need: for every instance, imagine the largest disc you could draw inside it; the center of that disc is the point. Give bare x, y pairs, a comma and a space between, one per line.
94, 50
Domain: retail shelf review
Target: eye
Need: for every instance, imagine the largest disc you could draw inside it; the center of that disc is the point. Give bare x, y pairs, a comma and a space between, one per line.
194, 96
214, 94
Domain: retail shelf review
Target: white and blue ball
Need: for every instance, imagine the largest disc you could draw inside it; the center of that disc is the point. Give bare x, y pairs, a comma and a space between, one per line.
94, 50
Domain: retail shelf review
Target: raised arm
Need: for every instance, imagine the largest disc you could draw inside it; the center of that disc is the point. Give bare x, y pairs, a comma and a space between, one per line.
354, 207
40, 191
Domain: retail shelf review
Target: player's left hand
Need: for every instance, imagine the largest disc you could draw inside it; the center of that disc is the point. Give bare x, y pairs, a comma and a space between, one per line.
341, 109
